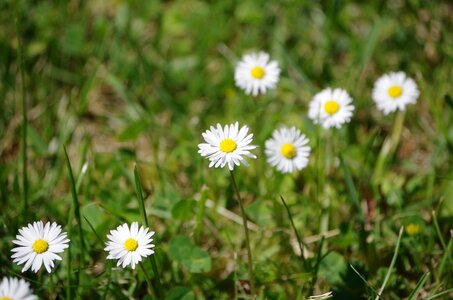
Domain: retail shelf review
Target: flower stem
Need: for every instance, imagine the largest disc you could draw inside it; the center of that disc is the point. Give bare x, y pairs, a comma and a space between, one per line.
246, 231
389, 146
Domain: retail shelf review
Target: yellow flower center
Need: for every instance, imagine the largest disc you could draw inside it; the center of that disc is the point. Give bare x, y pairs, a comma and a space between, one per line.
331, 107
6, 298
130, 244
258, 72
395, 91
227, 145
288, 150
40, 246
412, 229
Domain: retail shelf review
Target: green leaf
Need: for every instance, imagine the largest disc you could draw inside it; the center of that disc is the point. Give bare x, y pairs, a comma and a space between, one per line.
180, 293
198, 261
183, 210
132, 131
180, 247
332, 267
195, 259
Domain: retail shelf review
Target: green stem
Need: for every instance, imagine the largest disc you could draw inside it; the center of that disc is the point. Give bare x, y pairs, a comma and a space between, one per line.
246, 231
389, 146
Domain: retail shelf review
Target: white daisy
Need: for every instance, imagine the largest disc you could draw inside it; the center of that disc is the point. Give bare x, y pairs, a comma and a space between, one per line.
255, 73
38, 245
15, 289
331, 108
227, 146
394, 91
287, 150
129, 246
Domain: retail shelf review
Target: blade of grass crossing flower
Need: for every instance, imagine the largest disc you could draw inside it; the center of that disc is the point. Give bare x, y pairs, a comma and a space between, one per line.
299, 240
141, 204
24, 113
76, 210
392, 264
419, 286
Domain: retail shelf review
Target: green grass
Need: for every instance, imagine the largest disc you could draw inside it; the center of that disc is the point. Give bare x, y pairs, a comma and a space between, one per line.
129, 86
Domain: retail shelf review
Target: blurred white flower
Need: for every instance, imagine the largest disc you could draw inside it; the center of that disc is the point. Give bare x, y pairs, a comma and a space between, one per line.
15, 289
38, 244
129, 245
227, 146
394, 91
287, 150
255, 73
331, 108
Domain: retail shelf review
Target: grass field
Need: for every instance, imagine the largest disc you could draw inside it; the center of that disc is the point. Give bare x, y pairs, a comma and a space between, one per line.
131, 85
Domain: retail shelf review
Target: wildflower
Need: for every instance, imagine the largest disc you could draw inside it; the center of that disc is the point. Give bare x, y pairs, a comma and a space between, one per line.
331, 108
287, 150
394, 91
129, 245
39, 244
227, 146
412, 229
255, 73
15, 289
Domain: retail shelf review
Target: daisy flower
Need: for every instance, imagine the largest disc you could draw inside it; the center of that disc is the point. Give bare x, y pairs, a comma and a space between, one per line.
287, 150
255, 73
331, 108
394, 91
227, 146
15, 289
39, 244
129, 245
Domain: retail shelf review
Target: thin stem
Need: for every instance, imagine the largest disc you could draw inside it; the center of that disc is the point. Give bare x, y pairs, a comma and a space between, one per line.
389, 146
246, 231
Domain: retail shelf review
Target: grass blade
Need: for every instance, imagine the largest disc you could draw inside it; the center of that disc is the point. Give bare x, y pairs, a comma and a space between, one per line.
352, 192
419, 286
440, 294
392, 264
364, 279
75, 208
299, 240
141, 204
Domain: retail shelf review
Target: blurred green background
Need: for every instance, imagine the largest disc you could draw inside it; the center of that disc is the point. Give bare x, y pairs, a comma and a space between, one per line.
125, 82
